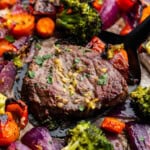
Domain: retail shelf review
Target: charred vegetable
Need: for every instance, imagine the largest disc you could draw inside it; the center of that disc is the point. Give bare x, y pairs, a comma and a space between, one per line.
7, 76
20, 110
79, 20
113, 125
141, 97
139, 136
9, 130
38, 138
17, 145
87, 136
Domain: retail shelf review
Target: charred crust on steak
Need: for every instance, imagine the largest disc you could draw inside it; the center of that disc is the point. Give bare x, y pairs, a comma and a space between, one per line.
74, 81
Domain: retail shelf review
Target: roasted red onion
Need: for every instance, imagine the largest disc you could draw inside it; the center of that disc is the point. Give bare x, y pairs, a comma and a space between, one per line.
139, 136
22, 41
38, 137
17, 146
119, 141
44, 8
109, 13
7, 76
134, 15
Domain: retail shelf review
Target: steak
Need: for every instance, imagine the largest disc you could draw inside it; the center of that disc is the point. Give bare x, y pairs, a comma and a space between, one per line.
70, 80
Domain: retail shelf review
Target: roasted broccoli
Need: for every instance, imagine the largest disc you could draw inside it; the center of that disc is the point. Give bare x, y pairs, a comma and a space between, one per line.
78, 20
141, 97
86, 136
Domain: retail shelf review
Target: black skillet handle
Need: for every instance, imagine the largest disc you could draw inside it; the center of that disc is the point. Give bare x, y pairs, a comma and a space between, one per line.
138, 35
111, 38
131, 40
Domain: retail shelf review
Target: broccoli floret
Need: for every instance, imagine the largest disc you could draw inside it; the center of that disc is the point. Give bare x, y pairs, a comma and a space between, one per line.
82, 23
86, 136
141, 97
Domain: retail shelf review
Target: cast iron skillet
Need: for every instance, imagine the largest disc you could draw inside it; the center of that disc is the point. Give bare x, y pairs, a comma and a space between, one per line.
131, 42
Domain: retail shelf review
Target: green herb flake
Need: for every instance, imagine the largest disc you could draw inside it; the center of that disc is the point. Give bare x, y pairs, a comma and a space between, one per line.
48, 56
49, 79
38, 46
31, 74
67, 49
81, 108
87, 75
103, 79
10, 38
77, 60
39, 60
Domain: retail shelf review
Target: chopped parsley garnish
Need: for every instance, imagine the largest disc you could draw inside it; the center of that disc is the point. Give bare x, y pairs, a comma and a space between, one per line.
49, 79
67, 49
47, 56
38, 46
10, 38
81, 108
40, 59
87, 75
31, 74
77, 60
103, 79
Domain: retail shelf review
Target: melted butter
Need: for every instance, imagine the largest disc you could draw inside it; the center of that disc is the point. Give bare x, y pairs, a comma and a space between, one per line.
67, 79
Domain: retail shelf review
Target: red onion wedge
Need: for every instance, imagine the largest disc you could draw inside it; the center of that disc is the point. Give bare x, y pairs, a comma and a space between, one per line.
17, 146
139, 136
39, 137
7, 76
109, 13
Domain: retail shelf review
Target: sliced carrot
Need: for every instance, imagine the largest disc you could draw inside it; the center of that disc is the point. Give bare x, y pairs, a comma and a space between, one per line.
21, 24
7, 3
45, 27
6, 46
145, 13
113, 125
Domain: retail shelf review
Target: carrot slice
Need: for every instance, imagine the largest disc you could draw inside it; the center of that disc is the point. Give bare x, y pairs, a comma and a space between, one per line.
45, 27
113, 125
6, 46
21, 24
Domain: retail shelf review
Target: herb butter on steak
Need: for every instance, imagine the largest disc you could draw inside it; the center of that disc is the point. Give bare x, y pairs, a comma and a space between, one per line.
70, 80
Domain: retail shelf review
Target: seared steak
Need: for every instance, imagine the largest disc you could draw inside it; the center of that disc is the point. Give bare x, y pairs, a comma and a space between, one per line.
71, 80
